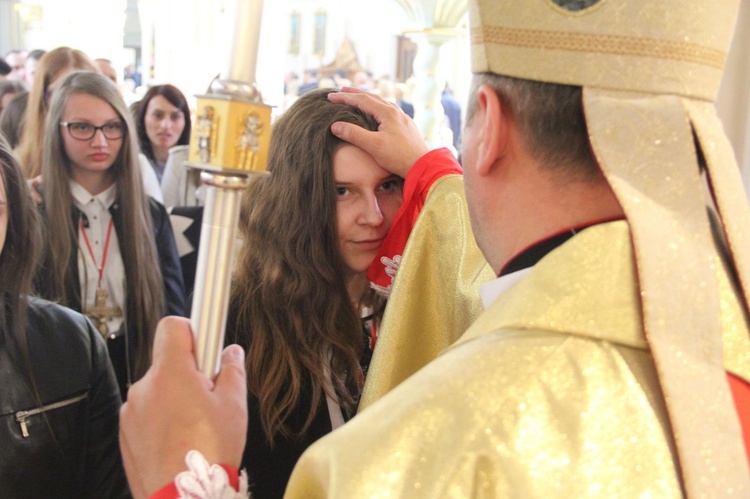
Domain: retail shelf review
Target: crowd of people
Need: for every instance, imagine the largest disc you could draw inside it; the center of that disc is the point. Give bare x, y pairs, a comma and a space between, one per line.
535, 321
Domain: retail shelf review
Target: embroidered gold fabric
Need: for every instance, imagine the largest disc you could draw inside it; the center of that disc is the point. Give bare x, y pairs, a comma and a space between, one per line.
654, 46
435, 296
649, 71
673, 249
551, 393
600, 43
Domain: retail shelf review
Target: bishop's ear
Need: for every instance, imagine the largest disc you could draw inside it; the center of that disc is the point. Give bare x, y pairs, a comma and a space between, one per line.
490, 123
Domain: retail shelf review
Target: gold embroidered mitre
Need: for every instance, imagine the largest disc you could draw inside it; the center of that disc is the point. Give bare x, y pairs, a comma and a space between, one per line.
650, 70
665, 46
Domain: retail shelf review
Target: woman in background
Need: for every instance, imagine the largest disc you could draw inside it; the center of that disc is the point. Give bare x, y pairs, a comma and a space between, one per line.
13, 117
52, 67
100, 222
163, 121
8, 90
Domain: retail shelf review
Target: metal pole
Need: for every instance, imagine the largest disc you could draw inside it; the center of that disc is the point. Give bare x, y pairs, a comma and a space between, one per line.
208, 316
230, 145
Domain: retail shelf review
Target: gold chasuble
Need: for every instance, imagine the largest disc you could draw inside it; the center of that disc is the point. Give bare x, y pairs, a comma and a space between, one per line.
551, 393
435, 296
603, 372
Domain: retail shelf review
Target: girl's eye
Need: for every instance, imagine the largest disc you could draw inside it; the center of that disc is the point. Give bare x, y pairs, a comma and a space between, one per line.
113, 127
81, 127
391, 185
341, 191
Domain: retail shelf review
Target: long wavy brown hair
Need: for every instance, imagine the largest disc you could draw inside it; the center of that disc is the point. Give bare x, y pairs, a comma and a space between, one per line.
289, 300
145, 288
50, 66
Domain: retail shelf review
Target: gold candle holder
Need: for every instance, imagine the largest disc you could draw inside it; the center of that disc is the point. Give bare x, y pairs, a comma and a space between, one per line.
229, 144
231, 135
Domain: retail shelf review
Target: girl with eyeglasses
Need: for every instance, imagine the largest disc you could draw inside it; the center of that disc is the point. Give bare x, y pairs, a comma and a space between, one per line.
51, 69
110, 250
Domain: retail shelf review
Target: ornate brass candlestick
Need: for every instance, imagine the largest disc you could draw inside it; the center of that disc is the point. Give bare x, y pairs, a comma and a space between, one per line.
229, 145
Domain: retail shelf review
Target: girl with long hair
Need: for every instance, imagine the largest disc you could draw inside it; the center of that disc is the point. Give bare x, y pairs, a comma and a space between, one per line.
59, 401
110, 250
52, 67
301, 305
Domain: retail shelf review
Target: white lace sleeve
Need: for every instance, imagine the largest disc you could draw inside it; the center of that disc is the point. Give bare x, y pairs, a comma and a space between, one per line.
391, 268
207, 481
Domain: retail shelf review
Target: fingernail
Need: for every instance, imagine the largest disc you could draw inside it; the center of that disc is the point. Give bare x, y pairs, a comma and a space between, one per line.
336, 128
236, 352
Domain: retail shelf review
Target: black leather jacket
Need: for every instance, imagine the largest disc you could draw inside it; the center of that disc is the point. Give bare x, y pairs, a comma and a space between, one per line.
68, 447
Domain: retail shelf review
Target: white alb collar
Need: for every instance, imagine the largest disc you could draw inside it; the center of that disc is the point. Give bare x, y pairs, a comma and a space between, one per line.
491, 291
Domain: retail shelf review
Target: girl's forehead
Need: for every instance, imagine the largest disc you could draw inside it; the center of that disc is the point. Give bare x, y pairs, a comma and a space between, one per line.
83, 105
353, 165
162, 103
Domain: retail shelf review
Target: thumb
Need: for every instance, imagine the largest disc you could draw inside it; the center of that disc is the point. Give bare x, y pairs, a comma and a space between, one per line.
232, 379
173, 342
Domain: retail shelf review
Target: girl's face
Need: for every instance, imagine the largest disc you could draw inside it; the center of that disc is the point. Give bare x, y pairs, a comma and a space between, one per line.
90, 158
368, 197
164, 122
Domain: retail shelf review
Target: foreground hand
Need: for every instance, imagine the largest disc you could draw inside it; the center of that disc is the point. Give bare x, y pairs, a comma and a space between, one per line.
174, 408
396, 145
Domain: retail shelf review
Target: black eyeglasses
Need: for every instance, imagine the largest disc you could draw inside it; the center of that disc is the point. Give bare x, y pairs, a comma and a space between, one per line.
86, 131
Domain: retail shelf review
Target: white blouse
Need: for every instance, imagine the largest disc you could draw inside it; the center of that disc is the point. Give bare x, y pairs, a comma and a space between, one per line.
95, 213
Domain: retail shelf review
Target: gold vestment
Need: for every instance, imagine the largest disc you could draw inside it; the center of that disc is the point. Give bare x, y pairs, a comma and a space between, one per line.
435, 295
550, 393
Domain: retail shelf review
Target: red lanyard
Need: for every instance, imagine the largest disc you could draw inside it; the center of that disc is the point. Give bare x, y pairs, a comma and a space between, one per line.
91, 252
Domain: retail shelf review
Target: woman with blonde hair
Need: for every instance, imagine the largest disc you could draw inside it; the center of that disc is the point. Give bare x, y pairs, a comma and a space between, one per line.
110, 250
